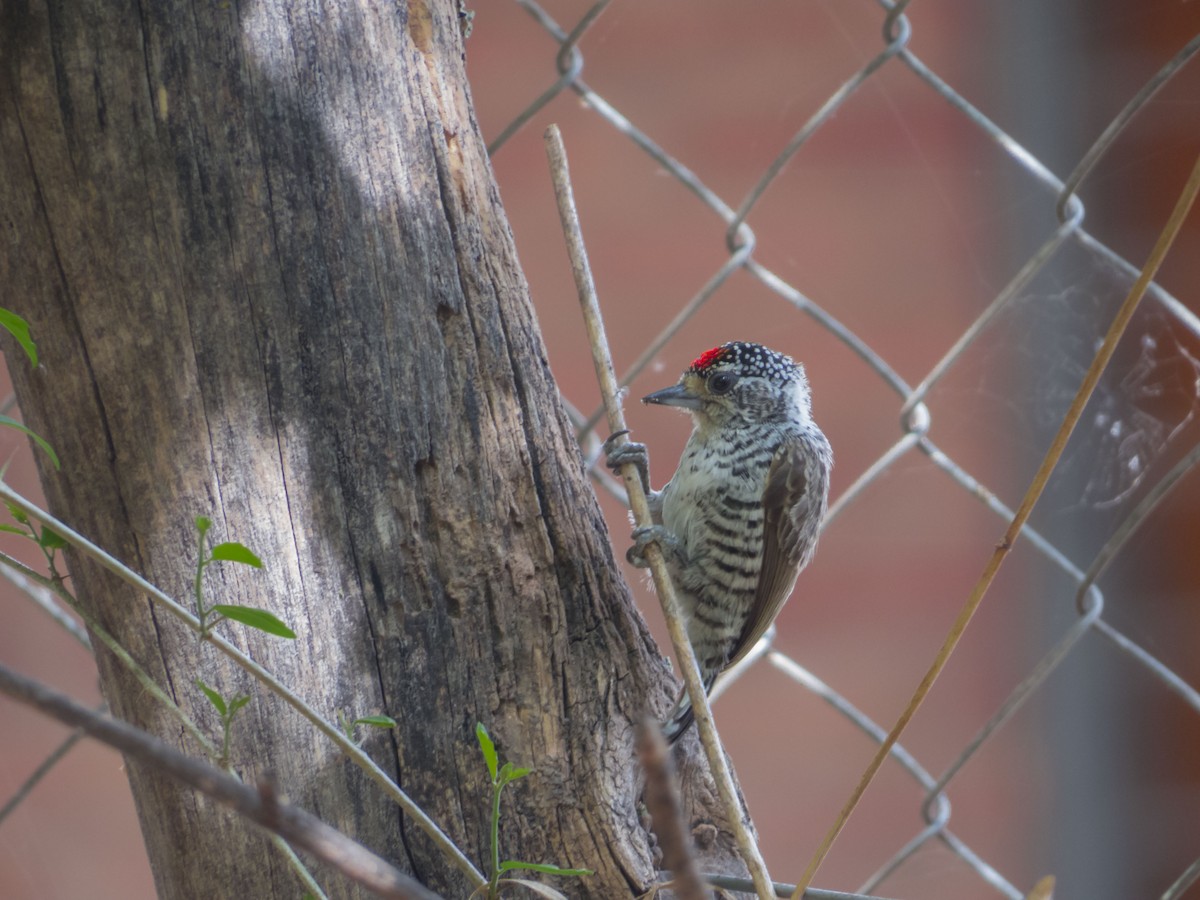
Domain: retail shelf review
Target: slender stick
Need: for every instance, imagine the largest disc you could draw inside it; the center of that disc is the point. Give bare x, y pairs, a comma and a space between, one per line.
666, 818
641, 513
149, 685
13, 569
738, 885
1103, 356
269, 681
259, 805
41, 595
40, 772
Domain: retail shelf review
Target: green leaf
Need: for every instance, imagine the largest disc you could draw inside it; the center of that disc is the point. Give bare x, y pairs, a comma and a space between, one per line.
540, 889
51, 540
19, 329
234, 552
237, 703
255, 618
37, 439
17, 513
509, 864
213, 697
376, 721
488, 748
203, 523
510, 773
13, 529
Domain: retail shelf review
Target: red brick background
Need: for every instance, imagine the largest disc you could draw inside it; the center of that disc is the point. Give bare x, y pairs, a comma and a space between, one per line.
902, 220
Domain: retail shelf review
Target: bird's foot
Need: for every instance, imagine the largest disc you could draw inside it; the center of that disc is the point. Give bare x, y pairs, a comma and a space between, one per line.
629, 452
667, 543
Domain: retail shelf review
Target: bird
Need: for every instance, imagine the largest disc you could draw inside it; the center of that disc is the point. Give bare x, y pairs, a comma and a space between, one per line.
740, 517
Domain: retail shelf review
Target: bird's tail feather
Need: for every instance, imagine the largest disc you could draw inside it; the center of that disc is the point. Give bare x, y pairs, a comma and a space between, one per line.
682, 715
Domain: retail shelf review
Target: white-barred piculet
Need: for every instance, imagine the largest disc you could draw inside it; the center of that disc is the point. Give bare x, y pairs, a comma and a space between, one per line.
740, 517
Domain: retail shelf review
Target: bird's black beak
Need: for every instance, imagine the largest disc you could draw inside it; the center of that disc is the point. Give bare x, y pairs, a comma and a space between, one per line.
675, 395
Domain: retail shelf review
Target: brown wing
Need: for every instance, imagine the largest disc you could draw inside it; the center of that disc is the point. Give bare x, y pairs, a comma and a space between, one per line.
789, 502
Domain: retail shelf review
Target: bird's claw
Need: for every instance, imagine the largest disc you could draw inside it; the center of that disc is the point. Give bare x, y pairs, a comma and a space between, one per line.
651, 534
629, 452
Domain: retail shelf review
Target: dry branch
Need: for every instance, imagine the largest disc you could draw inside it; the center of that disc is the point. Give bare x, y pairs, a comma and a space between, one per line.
638, 503
261, 806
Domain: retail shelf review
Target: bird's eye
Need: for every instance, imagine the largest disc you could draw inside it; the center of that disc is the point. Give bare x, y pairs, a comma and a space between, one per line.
721, 382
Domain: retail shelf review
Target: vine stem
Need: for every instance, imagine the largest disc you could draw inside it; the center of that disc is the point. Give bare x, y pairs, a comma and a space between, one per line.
260, 804
55, 585
449, 849
495, 882
114, 646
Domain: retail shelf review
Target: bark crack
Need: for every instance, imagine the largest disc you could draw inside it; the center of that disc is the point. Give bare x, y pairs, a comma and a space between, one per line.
75, 328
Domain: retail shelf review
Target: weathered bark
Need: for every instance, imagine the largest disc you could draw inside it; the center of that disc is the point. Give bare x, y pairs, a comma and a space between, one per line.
266, 263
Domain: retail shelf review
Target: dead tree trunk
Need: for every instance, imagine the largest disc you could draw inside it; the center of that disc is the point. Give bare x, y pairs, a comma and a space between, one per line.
266, 263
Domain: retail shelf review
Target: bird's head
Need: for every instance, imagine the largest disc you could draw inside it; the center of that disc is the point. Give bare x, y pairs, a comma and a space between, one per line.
739, 383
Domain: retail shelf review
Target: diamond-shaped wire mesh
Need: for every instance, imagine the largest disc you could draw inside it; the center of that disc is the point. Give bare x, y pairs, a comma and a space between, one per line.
938, 212
837, 181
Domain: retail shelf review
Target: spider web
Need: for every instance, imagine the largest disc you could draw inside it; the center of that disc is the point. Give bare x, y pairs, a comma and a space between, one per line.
1021, 377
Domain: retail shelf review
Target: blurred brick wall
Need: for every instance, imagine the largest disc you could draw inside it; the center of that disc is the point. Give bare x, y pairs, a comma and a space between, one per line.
903, 222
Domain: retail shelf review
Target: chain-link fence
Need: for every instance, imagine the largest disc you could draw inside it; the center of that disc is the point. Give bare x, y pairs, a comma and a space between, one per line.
936, 207
855, 161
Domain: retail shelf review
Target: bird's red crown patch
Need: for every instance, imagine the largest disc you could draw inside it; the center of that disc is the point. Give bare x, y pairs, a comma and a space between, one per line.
748, 359
708, 357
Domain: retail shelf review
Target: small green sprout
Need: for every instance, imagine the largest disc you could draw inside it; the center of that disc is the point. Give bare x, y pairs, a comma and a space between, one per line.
226, 709
19, 329
348, 726
502, 775
248, 615
48, 540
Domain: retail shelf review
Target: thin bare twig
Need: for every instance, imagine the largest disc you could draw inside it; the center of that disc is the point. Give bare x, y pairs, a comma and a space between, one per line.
666, 816
1099, 363
785, 890
43, 597
39, 773
115, 647
641, 512
299, 827
14, 569
269, 681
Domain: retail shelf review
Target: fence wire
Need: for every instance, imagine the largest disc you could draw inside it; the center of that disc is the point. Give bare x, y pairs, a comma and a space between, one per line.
913, 401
